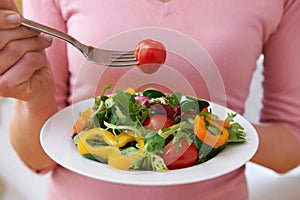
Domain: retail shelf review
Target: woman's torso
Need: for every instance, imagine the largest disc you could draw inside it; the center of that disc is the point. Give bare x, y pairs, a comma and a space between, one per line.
232, 32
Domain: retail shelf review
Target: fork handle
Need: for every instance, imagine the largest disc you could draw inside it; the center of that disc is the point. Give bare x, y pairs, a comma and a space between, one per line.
56, 33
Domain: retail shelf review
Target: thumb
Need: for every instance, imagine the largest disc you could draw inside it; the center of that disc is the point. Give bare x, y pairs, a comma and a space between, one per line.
9, 19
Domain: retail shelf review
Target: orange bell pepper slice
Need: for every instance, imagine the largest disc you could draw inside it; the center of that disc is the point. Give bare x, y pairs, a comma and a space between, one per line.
208, 138
81, 122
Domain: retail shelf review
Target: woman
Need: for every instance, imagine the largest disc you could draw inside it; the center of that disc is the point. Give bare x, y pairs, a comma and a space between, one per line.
234, 34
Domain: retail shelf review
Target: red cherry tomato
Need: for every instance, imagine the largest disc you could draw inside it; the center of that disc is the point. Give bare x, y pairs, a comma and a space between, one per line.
150, 55
185, 156
205, 109
157, 122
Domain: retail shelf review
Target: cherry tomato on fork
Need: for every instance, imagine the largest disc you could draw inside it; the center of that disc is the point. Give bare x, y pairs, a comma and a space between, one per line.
150, 55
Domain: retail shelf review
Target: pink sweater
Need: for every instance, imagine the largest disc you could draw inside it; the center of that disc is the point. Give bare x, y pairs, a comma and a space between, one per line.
233, 33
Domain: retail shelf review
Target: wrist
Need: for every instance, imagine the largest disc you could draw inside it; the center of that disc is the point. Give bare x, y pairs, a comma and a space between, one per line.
40, 109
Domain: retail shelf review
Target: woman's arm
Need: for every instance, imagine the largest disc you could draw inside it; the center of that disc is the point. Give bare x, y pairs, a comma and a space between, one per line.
25, 126
280, 136
29, 117
26, 76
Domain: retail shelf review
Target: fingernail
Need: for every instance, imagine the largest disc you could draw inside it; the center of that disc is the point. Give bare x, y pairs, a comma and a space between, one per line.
48, 38
14, 18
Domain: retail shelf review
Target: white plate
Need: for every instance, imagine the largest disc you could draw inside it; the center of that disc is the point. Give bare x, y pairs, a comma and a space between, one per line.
56, 141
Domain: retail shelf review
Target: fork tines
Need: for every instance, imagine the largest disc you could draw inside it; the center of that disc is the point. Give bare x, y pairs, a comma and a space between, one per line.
123, 58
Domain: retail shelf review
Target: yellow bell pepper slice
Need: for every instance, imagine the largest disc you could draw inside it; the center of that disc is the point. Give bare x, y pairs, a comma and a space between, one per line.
130, 91
111, 153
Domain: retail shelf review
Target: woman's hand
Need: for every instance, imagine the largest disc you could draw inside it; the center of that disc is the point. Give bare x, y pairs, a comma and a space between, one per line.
278, 147
24, 69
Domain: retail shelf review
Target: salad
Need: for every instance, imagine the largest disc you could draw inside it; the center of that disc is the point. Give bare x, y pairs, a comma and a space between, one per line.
151, 130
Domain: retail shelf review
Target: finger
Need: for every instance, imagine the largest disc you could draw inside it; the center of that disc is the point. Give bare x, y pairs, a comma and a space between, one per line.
16, 34
18, 83
8, 5
33, 61
9, 19
16, 49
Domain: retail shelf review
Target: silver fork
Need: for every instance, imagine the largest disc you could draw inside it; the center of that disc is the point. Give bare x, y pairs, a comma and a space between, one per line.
96, 55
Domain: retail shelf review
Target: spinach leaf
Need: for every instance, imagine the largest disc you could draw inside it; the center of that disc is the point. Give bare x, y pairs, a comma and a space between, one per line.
125, 111
193, 104
152, 93
95, 158
153, 142
206, 152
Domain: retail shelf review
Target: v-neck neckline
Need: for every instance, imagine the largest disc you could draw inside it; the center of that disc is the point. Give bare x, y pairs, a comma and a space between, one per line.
168, 6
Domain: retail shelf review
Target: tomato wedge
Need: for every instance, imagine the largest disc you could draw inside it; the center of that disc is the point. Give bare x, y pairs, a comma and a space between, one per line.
177, 158
157, 122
